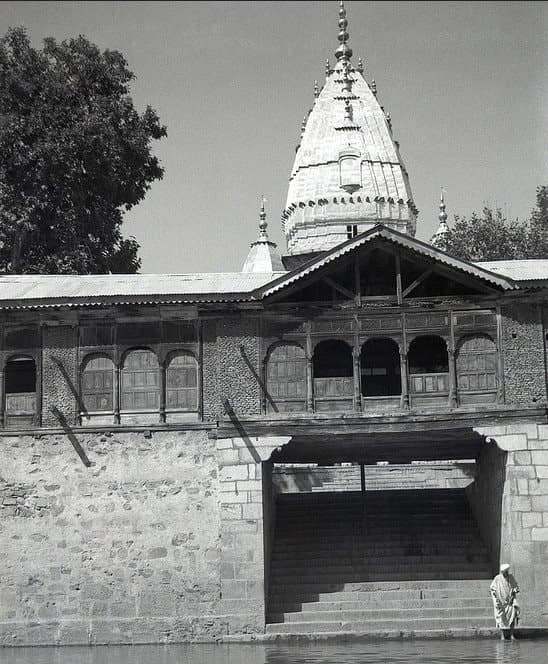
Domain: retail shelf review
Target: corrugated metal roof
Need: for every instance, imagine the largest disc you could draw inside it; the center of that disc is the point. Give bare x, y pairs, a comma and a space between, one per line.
38, 290
399, 239
519, 270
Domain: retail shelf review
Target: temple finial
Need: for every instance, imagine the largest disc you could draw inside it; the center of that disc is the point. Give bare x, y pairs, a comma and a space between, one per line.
343, 52
373, 87
262, 221
388, 121
439, 239
316, 90
443, 214
360, 66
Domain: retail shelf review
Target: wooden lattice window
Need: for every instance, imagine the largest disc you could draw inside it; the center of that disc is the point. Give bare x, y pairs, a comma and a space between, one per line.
20, 391
140, 384
428, 365
97, 384
182, 382
286, 379
477, 364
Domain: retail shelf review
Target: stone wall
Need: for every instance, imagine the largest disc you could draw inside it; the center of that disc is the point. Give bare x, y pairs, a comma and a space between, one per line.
485, 497
117, 541
524, 523
523, 354
59, 375
238, 347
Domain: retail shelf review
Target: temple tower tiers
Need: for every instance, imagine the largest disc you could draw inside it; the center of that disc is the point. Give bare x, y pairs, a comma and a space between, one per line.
348, 175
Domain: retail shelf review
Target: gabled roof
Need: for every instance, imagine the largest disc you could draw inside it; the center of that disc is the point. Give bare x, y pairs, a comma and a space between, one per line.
39, 290
384, 234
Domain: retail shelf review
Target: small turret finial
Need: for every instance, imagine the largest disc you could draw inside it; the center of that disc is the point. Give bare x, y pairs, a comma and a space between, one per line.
439, 239
360, 66
343, 52
262, 221
443, 214
303, 125
327, 68
316, 90
388, 121
373, 87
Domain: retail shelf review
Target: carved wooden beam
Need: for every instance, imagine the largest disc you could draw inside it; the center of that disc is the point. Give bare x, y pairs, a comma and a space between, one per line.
418, 281
341, 289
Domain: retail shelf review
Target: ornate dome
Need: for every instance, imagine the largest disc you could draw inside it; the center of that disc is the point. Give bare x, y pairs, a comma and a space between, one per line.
348, 175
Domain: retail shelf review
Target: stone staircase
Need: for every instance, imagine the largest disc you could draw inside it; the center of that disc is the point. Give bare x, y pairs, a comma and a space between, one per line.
413, 561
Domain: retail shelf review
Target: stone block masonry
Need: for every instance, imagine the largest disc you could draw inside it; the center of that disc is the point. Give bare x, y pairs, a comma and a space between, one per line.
510, 500
125, 550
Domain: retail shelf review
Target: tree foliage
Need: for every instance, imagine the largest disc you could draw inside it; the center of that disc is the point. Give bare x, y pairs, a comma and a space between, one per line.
490, 236
74, 155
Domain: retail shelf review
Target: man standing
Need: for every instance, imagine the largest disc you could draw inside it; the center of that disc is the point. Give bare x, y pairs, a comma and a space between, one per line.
503, 591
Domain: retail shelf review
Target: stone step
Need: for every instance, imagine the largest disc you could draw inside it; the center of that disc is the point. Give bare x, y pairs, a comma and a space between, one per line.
366, 558
467, 586
381, 602
379, 566
390, 550
391, 575
424, 624
365, 615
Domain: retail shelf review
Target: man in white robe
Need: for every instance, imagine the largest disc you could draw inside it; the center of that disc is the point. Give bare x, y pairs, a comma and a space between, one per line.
504, 589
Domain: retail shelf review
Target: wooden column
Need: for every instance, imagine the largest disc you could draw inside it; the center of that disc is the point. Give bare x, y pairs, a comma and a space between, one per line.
116, 390
453, 402
357, 378
264, 369
404, 401
309, 371
163, 372
309, 384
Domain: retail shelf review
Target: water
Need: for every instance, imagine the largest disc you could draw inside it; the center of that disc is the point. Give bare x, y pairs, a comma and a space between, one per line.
380, 652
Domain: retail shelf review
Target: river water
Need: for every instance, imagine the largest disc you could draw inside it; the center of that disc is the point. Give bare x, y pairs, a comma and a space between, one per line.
379, 652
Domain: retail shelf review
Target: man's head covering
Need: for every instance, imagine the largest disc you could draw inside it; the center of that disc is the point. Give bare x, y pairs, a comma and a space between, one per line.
504, 567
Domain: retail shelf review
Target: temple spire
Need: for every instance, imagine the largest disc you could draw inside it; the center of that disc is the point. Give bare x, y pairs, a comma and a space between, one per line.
439, 239
263, 235
263, 255
343, 52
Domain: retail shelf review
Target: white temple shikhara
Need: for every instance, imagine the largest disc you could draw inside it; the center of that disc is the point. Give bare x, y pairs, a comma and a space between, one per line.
348, 174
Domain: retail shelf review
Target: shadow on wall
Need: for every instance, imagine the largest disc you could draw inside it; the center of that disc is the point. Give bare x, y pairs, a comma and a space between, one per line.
485, 496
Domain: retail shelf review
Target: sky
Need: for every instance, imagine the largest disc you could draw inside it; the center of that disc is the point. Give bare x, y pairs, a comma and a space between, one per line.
466, 85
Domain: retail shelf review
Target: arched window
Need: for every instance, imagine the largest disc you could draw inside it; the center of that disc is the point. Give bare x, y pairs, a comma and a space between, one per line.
286, 379
350, 170
140, 385
333, 376
380, 368
97, 384
477, 369
428, 365
182, 382
20, 391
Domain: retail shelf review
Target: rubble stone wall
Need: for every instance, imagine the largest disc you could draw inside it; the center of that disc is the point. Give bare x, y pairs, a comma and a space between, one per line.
117, 541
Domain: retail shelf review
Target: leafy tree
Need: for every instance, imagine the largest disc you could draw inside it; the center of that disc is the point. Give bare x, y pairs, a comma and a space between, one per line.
490, 236
538, 226
486, 237
74, 155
